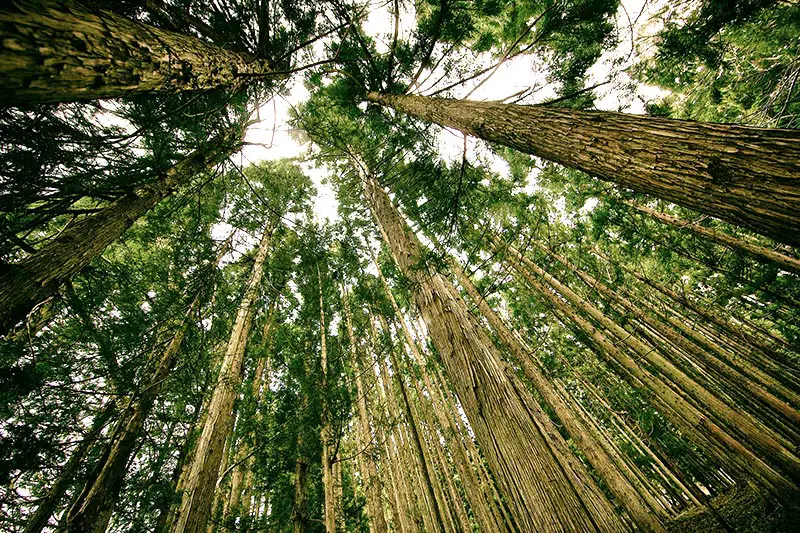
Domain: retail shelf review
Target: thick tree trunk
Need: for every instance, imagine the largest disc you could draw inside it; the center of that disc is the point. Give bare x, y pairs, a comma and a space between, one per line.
299, 508
496, 405
198, 493
39, 519
96, 506
54, 51
747, 176
762, 253
32, 280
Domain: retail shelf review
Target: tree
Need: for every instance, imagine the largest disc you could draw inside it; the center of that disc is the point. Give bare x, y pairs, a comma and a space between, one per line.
743, 175
58, 52
23, 285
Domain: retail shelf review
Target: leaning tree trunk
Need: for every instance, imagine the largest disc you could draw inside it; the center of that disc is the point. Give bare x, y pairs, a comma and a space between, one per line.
95, 508
495, 403
48, 504
198, 495
761, 253
747, 176
55, 51
23, 285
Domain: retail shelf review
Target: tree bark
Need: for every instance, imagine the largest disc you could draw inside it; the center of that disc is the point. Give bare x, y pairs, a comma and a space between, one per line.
746, 176
762, 253
55, 51
496, 405
198, 493
39, 519
23, 285
96, 506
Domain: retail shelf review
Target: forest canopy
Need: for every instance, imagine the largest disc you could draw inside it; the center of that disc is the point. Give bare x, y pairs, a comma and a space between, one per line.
383, 265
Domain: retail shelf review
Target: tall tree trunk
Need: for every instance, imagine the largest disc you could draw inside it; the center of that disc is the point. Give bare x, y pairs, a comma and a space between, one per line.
199, 489
299, 508
676, 407
747, 176
762, 253
55, 51
428, 474
32, 280
377, 521
326, 431
39, 519
644, 512
496, 404
95, 508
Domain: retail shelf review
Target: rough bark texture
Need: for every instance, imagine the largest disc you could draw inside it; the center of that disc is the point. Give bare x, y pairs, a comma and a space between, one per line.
55, 51
493, 401
198, 492
25, 284
38, 521
747, 176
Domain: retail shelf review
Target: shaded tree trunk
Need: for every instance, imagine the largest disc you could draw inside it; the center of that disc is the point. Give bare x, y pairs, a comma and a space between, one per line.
25, 284
95, 508
39, 519
55, 51
496, 405
198, 493
746, 176
326, 431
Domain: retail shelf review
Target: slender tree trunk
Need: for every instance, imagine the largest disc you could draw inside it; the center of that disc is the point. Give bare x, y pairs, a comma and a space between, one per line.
704, 431
25, 284
377, 521
199, 490
643, 511
299, 508
747, 176
39, 519
762, 253
496, 405
96, 506
55, 51
326, 431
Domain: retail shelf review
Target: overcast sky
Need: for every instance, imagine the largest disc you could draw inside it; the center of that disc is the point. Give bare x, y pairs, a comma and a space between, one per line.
513, 76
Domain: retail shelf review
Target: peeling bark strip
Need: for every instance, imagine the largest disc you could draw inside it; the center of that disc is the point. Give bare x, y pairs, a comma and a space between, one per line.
23, 285
54, 51
747, 176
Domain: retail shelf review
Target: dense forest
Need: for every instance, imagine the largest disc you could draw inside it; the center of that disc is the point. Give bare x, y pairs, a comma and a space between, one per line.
394, 265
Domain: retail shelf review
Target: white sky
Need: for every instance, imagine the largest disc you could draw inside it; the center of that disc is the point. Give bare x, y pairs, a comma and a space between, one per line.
513, 76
